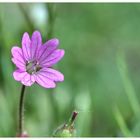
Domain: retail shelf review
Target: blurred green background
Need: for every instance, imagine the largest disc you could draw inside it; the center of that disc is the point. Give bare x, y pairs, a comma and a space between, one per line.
101, 68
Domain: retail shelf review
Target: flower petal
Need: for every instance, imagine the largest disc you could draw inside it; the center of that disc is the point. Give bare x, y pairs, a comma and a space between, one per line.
47, 48
26, 42
36, 42
27, 80
52, 74
18, 74
18, 58
53, 58
44, 81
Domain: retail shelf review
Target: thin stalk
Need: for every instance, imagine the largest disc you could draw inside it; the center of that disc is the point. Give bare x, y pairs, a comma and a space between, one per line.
2, 80
51, 8
21, 110
27, 17
128, 86
121, 122
51, 19
72, 118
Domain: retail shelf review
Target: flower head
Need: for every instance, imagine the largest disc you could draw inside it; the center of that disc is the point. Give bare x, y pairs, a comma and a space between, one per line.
34, 61
24, 134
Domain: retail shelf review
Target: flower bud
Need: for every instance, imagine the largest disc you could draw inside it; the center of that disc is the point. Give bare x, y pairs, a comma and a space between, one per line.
24, 134
66, 133
66, 130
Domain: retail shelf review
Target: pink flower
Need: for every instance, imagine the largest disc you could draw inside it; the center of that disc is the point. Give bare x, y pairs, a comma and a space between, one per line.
34, 61
24, 134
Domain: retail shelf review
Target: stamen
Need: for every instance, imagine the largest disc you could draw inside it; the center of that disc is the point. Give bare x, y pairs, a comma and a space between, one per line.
32, 67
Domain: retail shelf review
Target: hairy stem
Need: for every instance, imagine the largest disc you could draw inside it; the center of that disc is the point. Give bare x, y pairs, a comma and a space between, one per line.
21, 110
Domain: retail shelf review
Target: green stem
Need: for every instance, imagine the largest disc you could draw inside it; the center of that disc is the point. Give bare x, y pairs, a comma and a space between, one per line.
2, 80
51, 7
51, 20
21, 110
26, 16
121, 122
128, 86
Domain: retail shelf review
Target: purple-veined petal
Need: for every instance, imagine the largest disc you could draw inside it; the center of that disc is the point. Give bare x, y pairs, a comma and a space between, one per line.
27, 80
18, 58
36, 42
17, 53
26, 42
18, 63
18, 74
53, 58
47, 48
44, 81
52, 74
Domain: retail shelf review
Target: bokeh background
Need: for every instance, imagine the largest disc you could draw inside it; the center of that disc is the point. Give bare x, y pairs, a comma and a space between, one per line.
101, 68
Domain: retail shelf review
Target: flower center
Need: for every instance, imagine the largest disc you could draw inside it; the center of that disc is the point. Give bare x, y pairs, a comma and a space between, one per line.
32, 67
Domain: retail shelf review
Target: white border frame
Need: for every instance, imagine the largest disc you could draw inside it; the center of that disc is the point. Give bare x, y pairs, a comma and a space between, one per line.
70, 1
